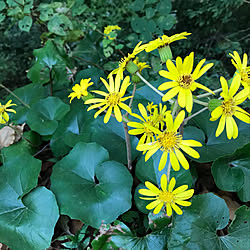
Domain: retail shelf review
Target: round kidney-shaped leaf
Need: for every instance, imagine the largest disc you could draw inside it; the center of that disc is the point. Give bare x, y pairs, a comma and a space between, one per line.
27, 218
89, 187
44, 115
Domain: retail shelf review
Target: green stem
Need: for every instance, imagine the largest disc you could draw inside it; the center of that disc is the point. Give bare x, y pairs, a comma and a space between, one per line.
201, 103
208, 94
195, 114
12, 93
128, 146
151, 86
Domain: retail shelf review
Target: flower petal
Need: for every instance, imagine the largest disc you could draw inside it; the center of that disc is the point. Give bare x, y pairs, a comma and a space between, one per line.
108, 114
242, 116
169, 209
171, 93
135, 125
224, 85
179, 119
143, 111
153, 204
125, 107
118, 114
171, 67
189, 100
229, 127
191, 143
197, 69
176, 209
105, 83
158, 208
152, 187
180, 189
185, 195
190, 151
146, 192
174, 161
216, 113
167, 85
171, 184
183, 203
100, 111
168, 75
221, 125
136, 131
150, 153
163, 160
164, 182
182, 159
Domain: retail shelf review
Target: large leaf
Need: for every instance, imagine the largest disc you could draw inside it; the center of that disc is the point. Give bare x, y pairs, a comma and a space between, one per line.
89, 187
215, 147
29, 94
80, 125
44, 115
197, 227
27, 217
232, 173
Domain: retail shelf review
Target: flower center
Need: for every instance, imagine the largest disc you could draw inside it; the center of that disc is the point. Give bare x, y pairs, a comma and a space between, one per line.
169, 140
147, 130
113, 99
245, 77
228, 107
166, 196
185, 81
2, 109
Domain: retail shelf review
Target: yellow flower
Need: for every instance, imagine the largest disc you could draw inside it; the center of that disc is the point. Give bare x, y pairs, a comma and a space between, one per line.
170, 142
4, 117
109, 29
142, 126
229, 108
123, 64
165, 41
140, 65
80, 90
244, 71
160, 116
112, 100
183, 81
166, 196
151, 107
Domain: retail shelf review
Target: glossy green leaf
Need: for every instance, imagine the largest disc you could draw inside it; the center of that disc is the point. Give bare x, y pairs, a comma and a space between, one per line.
27, 215
197, 227
232, 173
44, 115
89, 187
58, 24
29, 94
215, 147
25, 24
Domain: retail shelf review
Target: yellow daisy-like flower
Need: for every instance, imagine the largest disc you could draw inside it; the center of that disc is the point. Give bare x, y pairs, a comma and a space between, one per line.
160, 115
140, 65
167, 196
170, 142
229, 108
142, 126
112, 100
165, 41
124, 63
80, 90
183, 81
151, 107
4, 117
244, 71
109, 29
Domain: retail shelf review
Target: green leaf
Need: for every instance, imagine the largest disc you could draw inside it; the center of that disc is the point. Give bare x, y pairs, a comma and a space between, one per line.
215, 147
44, 115
150, 12
239, 230
82, 197
164, 7
166, 22
2, 17
25, 24
137, 5
59, 24
197, 227
232, 173
27, 216
29, 94
2, 5
46, 14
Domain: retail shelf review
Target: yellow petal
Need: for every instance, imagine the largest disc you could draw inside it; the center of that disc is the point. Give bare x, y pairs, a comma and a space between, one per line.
100, 92
197, 69
164, 182
117, 83
204, 70
136, 131
150, 153
168, 75
189, 100
152, 187
235, 129
163, 160
105, 83
182, 98
224, 85
229, 127
221, 125
179, 65
169, 209
169, 122
100, 111
158, 208
125, 107
146, 192
167, 85
191, 143
118, 114
179, 119
216, 113
171, 184
135, 125
183, 161
108, 114
190, 151
96, 106
188, 63
174, 161
143, 111
125, 85
234, 86
183, 203
171, 67
198, 85
243, 117
94, 100
153, 204
176, 209
180, 189
185, 195
171, 93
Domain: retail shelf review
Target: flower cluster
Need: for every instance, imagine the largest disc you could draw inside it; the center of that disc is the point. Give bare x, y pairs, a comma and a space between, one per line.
108, 30
156, 126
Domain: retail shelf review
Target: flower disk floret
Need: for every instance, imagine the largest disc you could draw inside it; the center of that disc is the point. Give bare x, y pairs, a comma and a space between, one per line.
229, 108
170, 142
113, 100
167, 196
183, 81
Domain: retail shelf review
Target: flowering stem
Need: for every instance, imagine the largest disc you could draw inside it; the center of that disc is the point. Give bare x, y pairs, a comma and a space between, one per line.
208, 94
12, 93
128, 146
201, 103
132, 98
175, 108
168, 172
151, 86
195, 114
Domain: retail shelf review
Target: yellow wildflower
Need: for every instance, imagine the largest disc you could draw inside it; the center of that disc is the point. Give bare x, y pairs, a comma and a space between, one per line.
108, 29
244, 71
183, 81
4, 117
112, 100
229, 108
170, 142
165, 41
80, 90
125, 61
140, 65
167, 196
